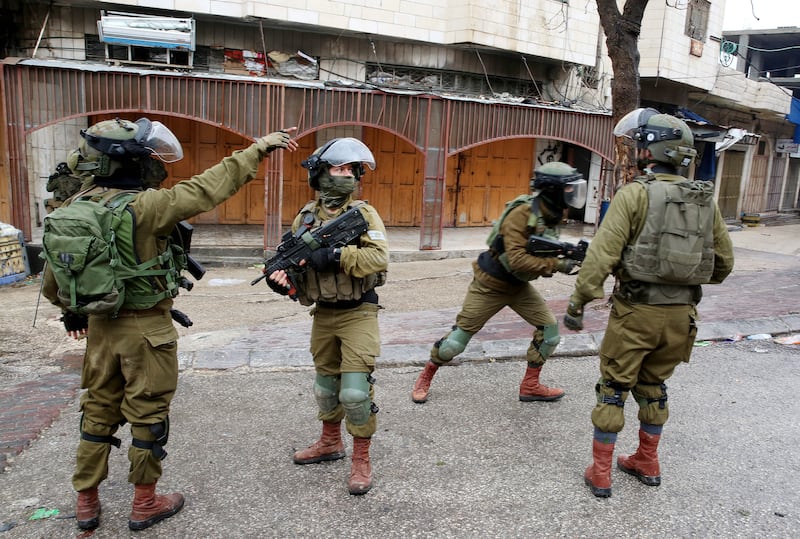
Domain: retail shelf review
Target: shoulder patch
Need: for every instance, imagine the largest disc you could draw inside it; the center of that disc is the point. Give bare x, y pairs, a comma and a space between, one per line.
376, 235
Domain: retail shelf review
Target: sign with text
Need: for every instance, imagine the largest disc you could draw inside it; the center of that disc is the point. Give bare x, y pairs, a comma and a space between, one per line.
786, 145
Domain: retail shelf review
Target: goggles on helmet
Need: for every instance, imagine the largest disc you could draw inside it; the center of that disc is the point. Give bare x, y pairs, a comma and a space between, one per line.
635, 126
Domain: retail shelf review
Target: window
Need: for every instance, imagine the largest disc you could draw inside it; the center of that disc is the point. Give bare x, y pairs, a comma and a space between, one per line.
697, 19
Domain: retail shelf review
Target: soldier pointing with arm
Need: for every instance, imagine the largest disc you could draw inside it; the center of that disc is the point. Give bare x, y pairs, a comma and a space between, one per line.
130, 369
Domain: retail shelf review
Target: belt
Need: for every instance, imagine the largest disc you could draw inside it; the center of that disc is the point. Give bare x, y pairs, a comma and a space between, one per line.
130, 313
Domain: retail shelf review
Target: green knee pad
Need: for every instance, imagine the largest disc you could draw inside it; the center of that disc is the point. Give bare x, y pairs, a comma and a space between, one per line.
549, 340
355, 397
326, 391
652, 401
452, 344
609, 414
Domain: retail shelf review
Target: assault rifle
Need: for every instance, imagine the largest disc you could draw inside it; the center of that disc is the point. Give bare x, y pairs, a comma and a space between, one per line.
182, 236
547, 248
296, 248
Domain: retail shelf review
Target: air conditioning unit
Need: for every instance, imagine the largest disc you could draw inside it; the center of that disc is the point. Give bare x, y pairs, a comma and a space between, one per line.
146, 31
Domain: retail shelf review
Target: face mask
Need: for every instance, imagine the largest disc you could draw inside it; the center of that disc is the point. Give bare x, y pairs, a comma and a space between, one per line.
551, 207
335, 190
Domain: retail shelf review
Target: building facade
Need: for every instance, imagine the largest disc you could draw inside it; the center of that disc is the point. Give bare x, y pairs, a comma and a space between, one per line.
459, 101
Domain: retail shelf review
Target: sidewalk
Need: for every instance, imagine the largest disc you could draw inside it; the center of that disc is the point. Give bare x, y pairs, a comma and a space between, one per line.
726, 313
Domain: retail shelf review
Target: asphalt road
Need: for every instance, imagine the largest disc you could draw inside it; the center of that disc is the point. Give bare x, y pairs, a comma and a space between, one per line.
472, 462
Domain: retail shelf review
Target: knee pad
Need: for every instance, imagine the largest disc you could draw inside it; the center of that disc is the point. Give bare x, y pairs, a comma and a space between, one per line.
548, 341
452, 344
159, 433
652, 401
355, 396
106, 438
609, 415
326, 391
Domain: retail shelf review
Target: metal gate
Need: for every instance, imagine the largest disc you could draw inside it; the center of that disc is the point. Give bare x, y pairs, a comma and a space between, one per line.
755, 190
775, 183
729, 186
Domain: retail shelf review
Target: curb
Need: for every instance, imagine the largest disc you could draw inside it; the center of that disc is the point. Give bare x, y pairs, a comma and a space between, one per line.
237, 349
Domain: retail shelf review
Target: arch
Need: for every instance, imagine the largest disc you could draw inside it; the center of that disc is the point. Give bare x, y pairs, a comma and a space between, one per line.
40, 93
456, 151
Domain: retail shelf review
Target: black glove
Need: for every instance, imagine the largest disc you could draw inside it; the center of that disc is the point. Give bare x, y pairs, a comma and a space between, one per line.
277, 287
574, 318
75, 322
325, 259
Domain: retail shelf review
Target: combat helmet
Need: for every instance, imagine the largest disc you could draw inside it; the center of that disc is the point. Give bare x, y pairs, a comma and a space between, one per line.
337, 152
554, 177
107, 144
668, 138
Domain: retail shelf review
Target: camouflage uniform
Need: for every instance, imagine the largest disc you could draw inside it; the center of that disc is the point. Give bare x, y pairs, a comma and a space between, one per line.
130, 369
488, 294
345, 336
643, 343
63, 184
651, 330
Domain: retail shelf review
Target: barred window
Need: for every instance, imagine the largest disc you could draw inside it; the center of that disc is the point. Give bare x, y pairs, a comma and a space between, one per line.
697, 19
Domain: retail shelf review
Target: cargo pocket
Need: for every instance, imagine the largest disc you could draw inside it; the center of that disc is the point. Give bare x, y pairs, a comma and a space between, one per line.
162, 363
694, 318
619, 320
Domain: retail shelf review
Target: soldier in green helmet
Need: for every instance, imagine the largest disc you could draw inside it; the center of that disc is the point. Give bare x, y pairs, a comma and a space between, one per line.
130, 369
662, 238
64, 182
502, 275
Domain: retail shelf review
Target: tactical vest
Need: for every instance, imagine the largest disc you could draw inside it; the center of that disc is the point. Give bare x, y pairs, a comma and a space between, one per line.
676, 245
332, 287
535, 226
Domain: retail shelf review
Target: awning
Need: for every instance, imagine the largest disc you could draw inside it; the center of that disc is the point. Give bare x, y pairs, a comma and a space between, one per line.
722, 136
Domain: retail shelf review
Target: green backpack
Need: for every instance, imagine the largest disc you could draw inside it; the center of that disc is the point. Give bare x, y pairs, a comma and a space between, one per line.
88, 246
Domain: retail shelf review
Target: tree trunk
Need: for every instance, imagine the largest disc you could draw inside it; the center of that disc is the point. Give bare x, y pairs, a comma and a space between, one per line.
622, 37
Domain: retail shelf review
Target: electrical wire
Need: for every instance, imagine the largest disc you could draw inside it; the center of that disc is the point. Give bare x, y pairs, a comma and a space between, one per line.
485, 74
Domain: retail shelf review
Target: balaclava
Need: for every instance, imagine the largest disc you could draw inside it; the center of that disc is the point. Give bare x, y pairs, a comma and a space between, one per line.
335, 190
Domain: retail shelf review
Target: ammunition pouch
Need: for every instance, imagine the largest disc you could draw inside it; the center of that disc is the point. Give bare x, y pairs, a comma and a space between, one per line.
489, 264
640, 292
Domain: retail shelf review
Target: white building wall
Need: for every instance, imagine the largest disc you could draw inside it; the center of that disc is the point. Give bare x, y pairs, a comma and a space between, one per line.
545, 28
665, 48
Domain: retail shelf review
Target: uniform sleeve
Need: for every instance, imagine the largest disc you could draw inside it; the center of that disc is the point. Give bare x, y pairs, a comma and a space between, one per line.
372, 256
515, 240
621, 224
723, 249
162, 208
50, 287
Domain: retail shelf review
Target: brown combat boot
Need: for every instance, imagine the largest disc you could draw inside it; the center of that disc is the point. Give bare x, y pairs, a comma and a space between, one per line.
644, 463
87, 511
328, 447
598, 474
423, 384
361, 469
531, 390
150, 508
